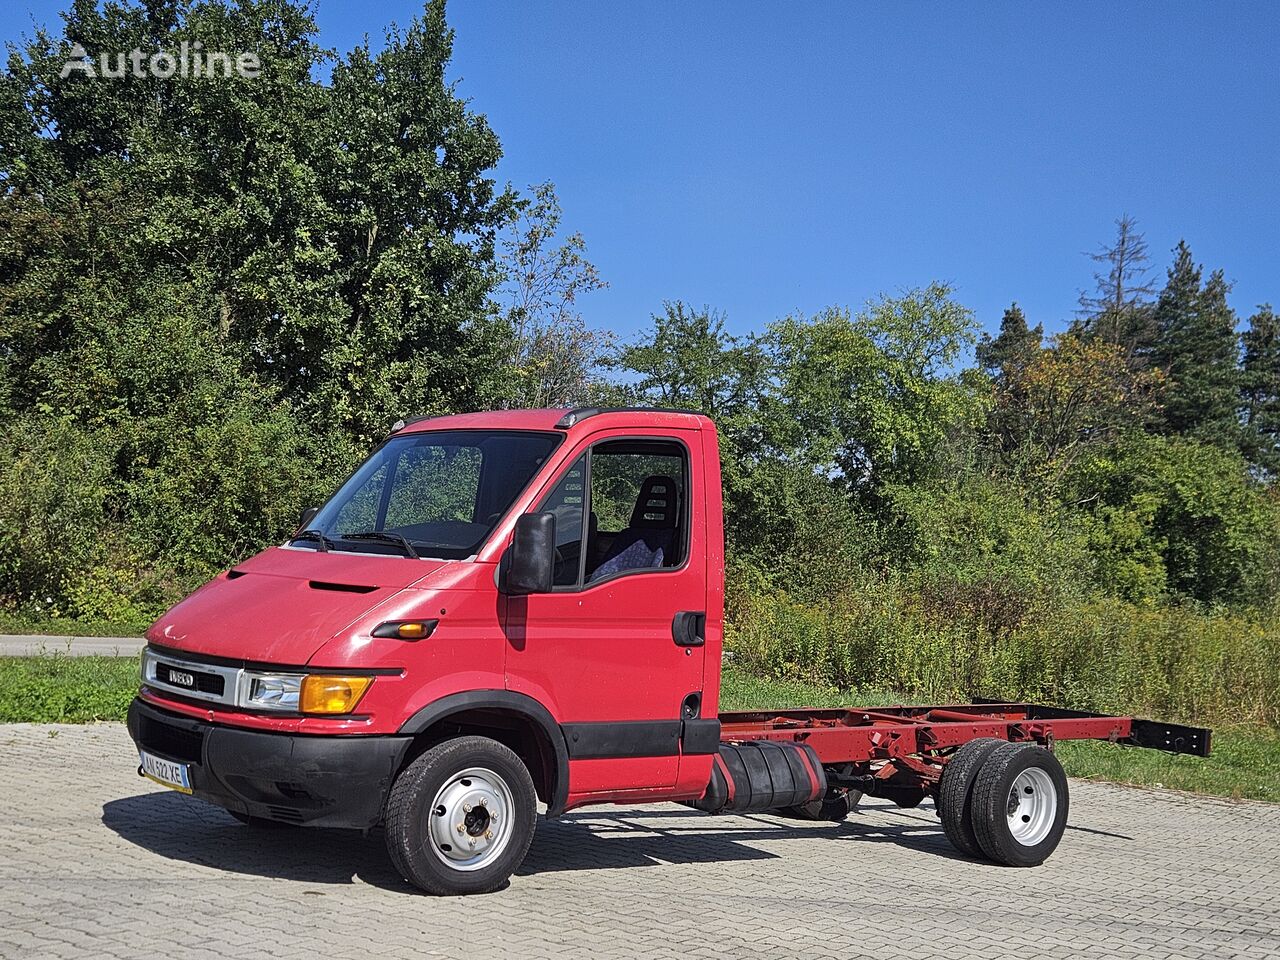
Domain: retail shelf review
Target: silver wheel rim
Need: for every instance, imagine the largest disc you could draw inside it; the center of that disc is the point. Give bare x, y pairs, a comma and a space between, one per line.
469, 822
1033, 806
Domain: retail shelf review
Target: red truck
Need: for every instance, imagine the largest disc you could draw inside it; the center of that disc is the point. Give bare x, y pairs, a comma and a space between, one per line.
504, 609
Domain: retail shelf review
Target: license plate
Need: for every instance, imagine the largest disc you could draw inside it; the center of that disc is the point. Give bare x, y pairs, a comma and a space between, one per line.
175, 776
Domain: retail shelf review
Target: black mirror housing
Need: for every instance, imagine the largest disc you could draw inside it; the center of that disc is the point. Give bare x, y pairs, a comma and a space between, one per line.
308, 515
529, 563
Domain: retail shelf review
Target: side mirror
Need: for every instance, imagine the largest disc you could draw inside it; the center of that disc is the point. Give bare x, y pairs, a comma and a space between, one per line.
531, 559
308, 515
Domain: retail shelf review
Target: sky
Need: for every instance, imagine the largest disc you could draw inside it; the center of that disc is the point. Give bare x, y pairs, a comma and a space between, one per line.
768, 158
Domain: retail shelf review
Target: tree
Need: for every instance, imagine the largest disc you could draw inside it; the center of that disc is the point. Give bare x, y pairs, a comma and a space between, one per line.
688, 360
1119, 310
1260, 391
219, 293
869, 397
554, 354
1198, 349
1075, 394
1175, 514
1014, 347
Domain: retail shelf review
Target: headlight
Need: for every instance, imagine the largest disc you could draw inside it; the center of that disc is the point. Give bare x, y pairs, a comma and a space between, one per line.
272, 691
303, 693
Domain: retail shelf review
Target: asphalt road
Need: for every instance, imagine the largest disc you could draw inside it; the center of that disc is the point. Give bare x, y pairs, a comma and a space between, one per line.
98, 863
20, 645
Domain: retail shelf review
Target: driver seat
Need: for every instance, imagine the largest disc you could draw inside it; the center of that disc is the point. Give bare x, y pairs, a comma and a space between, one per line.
648, 539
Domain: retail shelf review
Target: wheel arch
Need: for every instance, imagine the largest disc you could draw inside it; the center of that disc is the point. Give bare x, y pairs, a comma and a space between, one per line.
515, 719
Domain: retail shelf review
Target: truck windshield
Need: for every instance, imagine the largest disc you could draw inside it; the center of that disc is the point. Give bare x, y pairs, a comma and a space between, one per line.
435, 494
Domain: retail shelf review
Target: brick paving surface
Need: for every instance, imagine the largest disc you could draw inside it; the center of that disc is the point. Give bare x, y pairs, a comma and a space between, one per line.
96, 862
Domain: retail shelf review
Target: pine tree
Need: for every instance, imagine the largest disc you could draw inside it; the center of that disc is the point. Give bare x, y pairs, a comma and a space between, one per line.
1260, 391
1119, 310
1198, 349
1014, 347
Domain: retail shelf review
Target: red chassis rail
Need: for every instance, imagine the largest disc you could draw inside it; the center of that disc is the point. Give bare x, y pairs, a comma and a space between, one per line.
911, 744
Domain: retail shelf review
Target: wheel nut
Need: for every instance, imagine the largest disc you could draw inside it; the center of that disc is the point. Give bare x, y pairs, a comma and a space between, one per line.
472, 841
462, 828
484, 802
466, 807
488, 834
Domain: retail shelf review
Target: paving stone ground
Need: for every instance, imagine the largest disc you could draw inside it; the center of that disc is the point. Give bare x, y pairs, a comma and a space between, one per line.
97, 863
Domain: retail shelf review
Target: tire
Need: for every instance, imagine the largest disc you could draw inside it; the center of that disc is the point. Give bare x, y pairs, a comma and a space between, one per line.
1019, 805
956, 791
261, 823
830, 809
469, 790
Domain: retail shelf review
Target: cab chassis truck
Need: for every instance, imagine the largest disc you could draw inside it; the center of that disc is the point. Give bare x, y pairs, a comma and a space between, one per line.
503, 609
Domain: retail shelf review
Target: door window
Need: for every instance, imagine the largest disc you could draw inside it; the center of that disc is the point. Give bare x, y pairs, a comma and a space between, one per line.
621, 510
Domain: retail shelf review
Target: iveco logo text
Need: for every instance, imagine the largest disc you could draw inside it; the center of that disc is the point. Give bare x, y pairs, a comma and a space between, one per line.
178, 678
188, 61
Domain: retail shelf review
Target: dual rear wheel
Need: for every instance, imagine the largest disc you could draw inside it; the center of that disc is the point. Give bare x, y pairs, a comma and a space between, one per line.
1004, 801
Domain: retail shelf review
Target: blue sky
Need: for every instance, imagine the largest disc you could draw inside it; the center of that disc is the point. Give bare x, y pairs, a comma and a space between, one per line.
764, 158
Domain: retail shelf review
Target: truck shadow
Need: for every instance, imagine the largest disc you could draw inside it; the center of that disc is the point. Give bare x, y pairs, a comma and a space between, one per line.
593, 840
190, 830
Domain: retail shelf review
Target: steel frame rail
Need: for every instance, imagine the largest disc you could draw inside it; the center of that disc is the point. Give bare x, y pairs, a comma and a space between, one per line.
864, 735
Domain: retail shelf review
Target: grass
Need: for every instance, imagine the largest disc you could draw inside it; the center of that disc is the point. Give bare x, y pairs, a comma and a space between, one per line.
60, 627
62, 689
1245, 763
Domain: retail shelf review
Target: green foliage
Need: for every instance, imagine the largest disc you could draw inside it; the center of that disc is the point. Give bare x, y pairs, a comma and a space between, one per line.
1104, 655
871, 395
1260, 377
1177, 515
1016, 345
217, 295
1198, 349
62, 689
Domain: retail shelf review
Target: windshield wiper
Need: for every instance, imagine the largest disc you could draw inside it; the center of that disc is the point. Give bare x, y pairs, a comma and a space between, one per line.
402, 542
323, 543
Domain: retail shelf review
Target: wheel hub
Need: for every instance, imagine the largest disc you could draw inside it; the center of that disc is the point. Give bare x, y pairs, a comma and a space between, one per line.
1033, 806
469, 820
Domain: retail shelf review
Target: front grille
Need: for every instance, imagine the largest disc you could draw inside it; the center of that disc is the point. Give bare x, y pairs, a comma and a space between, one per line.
204, 682
209, 681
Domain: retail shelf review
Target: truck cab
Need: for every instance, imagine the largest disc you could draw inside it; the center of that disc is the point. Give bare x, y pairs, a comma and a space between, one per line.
495, 610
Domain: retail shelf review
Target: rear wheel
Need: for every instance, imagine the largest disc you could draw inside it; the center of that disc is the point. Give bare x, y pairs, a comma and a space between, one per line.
1019, 805
956, 791
460, 818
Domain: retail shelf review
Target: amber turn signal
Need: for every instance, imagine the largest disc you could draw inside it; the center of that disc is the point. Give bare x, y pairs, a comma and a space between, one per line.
325, 694
406, 629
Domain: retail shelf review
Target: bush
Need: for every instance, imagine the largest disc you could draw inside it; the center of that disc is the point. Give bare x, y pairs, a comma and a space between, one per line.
1172, 515
1103, 654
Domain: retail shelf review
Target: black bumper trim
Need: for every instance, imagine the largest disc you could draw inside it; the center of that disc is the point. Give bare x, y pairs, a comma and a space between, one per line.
324, 781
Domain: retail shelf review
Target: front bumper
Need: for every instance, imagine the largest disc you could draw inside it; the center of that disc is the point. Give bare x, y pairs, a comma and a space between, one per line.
323, 781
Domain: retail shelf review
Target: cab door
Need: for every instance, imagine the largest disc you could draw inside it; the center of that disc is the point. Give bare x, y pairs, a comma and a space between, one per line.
606, 648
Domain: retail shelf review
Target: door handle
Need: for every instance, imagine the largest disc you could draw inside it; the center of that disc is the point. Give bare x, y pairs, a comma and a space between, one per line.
689, 628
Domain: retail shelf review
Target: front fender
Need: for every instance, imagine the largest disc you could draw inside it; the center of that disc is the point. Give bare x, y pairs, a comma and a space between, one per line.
511, 702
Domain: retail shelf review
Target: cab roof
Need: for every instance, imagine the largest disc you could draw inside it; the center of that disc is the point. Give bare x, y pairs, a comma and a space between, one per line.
559, 418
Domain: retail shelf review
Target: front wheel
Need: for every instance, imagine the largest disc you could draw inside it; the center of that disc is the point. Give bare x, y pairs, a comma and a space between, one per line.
460, 818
